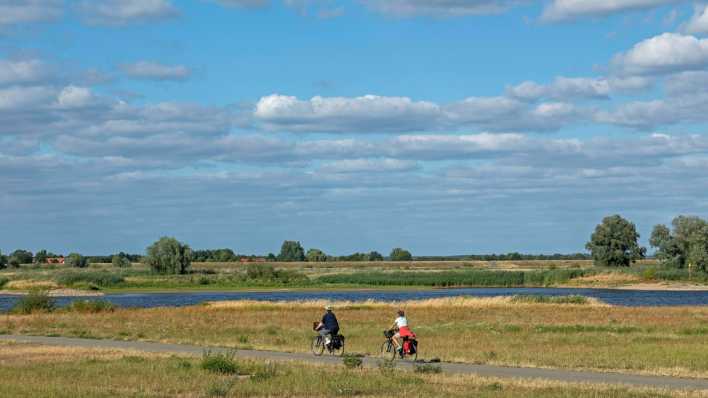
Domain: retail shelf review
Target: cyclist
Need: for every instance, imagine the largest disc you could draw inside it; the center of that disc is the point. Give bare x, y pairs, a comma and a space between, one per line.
400, 325
328, 326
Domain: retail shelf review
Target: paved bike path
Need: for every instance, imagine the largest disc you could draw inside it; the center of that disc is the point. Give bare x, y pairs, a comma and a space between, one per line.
459, 368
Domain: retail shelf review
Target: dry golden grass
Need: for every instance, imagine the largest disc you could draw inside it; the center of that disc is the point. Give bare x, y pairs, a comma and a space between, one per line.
31, 284
68, 372
668, 341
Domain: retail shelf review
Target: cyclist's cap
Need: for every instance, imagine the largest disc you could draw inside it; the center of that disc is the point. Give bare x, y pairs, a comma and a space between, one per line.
328, 308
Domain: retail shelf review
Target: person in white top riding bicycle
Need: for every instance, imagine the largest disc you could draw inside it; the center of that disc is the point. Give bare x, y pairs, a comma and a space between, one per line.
400, 325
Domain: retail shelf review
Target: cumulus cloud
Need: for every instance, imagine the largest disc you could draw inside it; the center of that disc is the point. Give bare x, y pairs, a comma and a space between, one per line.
375, 114
369, 113
123, 12
698, 24
444, 8
563, 88
563, 10
668, 52
150, 70
26, 11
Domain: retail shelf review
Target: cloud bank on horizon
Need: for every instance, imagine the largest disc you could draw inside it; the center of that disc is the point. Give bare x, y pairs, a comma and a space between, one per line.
446, 127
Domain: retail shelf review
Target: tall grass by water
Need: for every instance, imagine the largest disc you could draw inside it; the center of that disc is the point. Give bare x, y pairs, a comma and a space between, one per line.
457, 278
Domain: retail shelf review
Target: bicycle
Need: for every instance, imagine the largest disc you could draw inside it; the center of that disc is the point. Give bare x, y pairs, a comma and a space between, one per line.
389, 352
335, 346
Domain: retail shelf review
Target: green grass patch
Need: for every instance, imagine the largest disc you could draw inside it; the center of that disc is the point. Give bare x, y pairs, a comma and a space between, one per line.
223, 362
457, 278
35, 301
539, 299
88, 278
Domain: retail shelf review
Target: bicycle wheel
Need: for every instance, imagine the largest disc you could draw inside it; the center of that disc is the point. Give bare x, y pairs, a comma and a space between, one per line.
318, 345
338, 352
388, 351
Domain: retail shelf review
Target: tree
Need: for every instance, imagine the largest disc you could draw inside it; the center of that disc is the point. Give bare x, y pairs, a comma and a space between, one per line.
77, 260
120, 260
375, 256
3, 261
686, 244
41, 257
399, 254
169, 256
21, 257
316, 256
614, 243
272, 257
291, 251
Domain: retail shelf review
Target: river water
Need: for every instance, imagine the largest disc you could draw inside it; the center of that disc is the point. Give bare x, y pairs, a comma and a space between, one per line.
629, 298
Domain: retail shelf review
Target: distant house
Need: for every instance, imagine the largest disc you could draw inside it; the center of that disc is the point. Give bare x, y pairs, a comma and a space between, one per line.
55, 260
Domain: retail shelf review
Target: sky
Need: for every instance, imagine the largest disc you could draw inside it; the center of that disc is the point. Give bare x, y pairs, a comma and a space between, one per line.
441, 126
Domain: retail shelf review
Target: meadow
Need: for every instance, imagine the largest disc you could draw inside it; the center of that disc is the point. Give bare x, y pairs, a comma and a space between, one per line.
74, 372
574, 333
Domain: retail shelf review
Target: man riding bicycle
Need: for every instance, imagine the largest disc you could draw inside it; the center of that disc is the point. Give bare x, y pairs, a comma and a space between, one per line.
328, 326
400, 325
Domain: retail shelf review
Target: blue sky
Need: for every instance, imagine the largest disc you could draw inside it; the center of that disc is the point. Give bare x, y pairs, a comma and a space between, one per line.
446, 127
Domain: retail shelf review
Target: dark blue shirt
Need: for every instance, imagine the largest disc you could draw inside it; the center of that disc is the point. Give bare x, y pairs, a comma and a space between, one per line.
330, 321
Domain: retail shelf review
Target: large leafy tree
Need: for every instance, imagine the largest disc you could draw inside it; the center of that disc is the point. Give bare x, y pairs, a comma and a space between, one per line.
77, 260
169, 256
615, 243
316, 256
686, 244
3, 261
21, 257
399, 254
291, 251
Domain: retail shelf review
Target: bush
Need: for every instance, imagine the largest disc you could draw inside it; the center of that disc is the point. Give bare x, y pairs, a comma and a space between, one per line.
35, 301
120, 261
649, 274
3, 281
169, 256
97, 278
352, 361
223, 363
76, 260
91, 306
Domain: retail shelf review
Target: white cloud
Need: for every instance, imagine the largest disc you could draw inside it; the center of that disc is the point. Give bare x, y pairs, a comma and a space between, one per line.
668, 52
369, 166
563, 88
150, 70
444, 8
369, 113
562, 10
19, 98
123, 12
75, 97
698, 24
26, 11
22, 71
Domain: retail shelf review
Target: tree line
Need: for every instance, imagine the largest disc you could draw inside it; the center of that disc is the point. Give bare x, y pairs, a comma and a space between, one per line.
614, 242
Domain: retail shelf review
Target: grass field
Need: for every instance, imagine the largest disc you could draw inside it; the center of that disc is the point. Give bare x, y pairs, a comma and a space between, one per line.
500, 331
235, 276
37, 372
